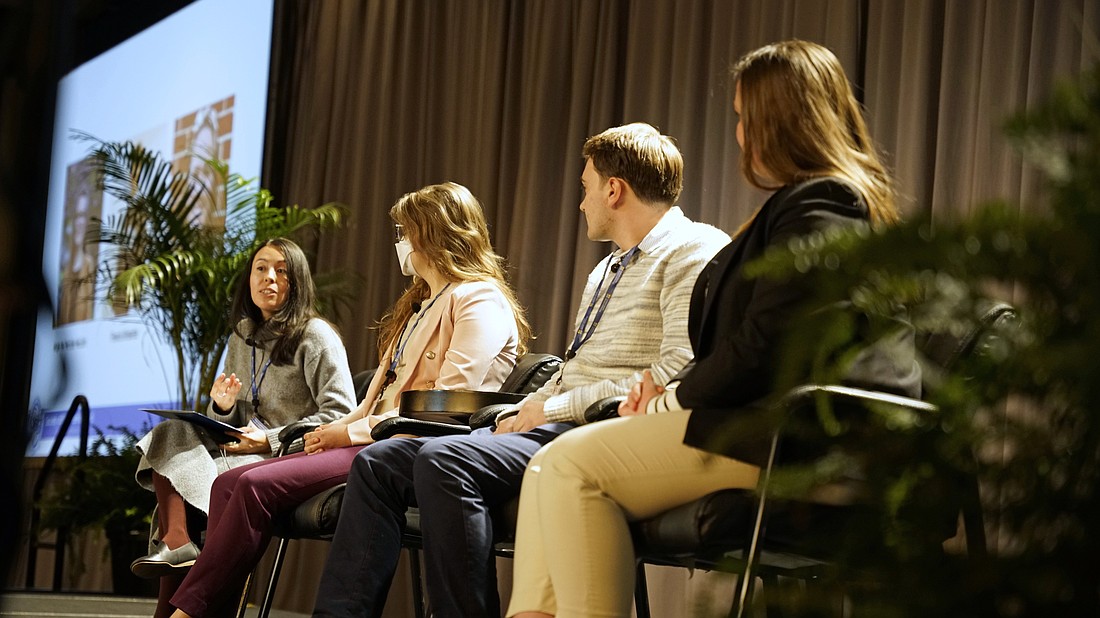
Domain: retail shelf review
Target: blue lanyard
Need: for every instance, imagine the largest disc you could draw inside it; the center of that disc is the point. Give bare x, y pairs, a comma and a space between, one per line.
256, 385
585, 331
391, 373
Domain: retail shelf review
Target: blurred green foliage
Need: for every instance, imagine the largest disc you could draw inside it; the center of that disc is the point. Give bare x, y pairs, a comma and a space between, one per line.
1021, 415
99, 491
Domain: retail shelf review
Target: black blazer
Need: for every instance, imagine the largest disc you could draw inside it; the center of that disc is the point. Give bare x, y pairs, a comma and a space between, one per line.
736, 324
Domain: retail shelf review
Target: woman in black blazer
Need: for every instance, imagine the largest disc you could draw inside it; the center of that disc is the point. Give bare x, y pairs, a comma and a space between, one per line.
802, 136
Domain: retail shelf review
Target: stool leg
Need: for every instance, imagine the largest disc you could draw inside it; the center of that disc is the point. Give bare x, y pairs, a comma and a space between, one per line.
641, 591
243, 604
276, 569
742, 596
417, 589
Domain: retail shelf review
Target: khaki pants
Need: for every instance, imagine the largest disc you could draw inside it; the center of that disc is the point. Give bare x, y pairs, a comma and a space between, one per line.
574, 555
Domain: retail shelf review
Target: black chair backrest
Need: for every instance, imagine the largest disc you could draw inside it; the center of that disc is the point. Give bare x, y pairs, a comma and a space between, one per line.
531, 372
940, 354
942, 351
802, 524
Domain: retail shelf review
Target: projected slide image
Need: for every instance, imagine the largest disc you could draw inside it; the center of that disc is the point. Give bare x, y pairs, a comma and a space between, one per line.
201, 135
79, 258
192, 139
203, 94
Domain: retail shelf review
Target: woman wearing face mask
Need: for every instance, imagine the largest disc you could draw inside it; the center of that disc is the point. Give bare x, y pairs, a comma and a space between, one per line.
458, 326
283, 364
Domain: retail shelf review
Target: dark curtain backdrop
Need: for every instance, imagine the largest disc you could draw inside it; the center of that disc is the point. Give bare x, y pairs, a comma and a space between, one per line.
375, 98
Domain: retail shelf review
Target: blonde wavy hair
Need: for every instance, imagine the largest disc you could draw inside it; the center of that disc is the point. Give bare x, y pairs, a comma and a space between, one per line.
446, 224
800, 120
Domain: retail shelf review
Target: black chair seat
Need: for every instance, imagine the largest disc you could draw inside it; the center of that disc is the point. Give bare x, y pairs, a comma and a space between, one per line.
410, 536
710, 532
315, 518
707, 527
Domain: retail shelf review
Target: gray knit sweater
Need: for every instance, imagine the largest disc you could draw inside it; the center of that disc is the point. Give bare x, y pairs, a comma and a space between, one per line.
316, 385
645, 323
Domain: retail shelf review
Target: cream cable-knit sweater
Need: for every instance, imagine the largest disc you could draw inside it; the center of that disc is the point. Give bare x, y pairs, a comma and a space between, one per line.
645, 323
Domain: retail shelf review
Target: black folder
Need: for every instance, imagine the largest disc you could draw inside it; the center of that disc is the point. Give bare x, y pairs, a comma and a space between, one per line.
220, 432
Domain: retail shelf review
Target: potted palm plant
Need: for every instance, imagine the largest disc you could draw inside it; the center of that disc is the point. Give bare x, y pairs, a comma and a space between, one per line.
177, 270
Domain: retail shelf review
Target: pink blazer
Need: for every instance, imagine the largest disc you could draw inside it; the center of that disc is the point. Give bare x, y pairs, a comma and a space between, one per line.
467, 340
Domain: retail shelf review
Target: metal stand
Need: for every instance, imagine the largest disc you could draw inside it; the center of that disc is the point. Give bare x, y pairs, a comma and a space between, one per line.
58, 545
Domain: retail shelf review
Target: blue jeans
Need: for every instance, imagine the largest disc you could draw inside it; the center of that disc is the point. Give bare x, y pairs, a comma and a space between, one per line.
455, 481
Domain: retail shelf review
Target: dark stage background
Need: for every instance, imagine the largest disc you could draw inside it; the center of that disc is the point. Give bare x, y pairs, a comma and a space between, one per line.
374, 98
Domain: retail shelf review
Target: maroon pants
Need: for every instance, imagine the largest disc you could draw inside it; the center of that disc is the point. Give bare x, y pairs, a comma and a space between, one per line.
243, 502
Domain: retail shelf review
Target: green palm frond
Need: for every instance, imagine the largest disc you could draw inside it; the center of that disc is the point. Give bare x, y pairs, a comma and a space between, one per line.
157, 273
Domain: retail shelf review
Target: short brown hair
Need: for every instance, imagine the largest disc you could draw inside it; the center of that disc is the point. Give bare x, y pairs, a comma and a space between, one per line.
649, 162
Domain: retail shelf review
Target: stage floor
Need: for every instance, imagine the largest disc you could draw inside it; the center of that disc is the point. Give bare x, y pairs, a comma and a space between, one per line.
62, 605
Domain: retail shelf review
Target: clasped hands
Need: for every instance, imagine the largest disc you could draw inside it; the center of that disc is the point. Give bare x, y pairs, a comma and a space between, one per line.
639, 396
326, 437
532, 413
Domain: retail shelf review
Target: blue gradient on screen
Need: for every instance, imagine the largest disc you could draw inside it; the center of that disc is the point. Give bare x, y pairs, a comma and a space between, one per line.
212, 51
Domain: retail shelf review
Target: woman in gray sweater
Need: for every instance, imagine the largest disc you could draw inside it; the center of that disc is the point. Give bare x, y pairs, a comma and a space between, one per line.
284, 364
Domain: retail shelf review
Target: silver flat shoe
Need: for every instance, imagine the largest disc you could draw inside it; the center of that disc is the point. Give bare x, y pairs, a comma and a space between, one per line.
164, 561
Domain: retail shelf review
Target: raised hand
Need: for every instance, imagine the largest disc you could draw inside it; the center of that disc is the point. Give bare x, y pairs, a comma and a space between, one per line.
224, 392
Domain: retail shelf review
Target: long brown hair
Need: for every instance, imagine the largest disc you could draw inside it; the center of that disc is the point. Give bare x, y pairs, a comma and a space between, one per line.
446, 223
289, 322
800, 120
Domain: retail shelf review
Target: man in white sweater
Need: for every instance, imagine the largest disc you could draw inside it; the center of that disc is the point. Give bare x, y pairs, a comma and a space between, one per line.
633, 316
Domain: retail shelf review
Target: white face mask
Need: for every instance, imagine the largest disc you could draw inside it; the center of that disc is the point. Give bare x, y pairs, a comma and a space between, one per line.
404, 257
